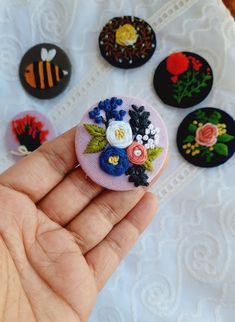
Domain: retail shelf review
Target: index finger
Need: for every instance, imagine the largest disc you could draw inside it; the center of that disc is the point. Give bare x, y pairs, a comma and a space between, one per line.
43, 169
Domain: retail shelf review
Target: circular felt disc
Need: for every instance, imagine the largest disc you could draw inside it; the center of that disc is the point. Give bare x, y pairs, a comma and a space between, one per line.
127, 42
45, 71
183, 79
206, 137
27, 131
121, 143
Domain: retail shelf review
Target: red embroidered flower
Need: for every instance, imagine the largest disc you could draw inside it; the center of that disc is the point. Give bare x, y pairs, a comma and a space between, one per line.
29, 132
195, 63
177, 64
174, 79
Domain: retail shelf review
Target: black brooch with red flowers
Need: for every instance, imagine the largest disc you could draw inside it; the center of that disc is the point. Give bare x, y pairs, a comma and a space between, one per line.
183, 79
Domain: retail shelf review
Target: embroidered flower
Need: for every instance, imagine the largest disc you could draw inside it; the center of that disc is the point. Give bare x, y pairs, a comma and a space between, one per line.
30, 133
114, 161
195, 63
151, 137
177, 63
207, 134
137, 153
119, 134
126, 35
137, 175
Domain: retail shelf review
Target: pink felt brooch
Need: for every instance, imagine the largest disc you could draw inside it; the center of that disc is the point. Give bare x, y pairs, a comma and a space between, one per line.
121, 143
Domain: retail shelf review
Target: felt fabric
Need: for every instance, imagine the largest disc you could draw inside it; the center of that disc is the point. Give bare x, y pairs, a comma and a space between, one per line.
90, 162
45, 71
141, 45
26, 136
206, 137
183, 79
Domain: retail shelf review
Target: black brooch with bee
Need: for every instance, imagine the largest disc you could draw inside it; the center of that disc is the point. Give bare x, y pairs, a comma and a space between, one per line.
45, 71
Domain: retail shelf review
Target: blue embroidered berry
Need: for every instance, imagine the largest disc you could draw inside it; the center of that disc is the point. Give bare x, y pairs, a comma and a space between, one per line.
96, 111
115, 114
114, 161
101, 105
92, 115
122, 113
119, 101
98, 119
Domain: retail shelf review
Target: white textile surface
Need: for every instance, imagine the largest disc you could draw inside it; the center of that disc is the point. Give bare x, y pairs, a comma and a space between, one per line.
182, 269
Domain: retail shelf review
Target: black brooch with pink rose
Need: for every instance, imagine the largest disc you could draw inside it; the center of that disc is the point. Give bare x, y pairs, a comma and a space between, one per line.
183, 79
206, 137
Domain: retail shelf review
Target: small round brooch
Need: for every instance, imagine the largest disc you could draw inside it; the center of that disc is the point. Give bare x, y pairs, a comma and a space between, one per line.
121, 143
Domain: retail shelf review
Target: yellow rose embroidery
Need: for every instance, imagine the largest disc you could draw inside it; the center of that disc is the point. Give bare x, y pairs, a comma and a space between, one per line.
113, 160
126, 35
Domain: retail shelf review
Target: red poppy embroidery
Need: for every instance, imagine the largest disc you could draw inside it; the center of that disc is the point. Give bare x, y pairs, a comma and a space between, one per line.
177, 64
29, 132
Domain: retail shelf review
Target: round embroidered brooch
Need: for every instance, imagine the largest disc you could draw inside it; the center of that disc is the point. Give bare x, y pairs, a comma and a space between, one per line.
183, 79
45, 71
127, 42
206, 137
27, 131
121, 143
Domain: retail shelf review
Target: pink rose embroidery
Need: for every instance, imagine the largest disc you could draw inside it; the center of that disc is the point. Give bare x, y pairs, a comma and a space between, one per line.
137, 154
207, 134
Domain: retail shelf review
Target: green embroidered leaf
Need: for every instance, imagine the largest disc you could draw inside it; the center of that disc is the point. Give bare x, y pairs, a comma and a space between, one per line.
213, 120
221, 149
148, 165
192, 128
189, 139
216, 115
95, 130
96, 144
154, 153
225, 138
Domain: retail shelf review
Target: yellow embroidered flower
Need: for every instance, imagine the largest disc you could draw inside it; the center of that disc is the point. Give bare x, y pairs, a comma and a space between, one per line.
222, 128
119, 133
113, 160
126, 35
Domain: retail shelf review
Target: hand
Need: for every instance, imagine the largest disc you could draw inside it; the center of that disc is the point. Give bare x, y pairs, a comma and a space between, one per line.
61, 235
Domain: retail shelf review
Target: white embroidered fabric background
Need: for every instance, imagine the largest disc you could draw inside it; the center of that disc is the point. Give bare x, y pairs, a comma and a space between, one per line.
182, 269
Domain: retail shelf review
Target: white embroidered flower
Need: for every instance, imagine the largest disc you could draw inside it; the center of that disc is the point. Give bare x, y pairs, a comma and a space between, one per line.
139, 137
147, 131
151, 127
145, 137
156, 142
119, 134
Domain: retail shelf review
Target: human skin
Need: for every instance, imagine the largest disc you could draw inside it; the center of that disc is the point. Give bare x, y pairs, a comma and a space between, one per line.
61, 235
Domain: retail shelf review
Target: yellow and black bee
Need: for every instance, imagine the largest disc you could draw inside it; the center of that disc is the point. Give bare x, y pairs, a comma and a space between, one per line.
44, 74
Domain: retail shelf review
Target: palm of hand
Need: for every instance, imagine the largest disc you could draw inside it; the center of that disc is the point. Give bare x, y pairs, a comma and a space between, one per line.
64, 235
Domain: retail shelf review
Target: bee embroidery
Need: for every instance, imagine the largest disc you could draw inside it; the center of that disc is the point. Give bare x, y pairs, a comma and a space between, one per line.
44, 74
